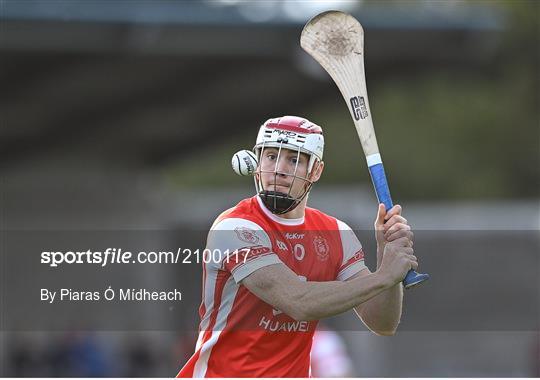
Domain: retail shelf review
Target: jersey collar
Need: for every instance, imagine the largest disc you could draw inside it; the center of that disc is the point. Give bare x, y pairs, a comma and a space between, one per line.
278, 219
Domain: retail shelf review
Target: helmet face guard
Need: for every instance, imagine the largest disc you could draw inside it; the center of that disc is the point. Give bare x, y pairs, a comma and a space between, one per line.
276, 201
299, 136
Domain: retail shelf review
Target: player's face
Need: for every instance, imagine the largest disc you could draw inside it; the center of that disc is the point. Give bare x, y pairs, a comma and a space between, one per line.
286, 173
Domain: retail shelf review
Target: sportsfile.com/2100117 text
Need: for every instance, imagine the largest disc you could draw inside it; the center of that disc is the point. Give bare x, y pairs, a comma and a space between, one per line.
119, 256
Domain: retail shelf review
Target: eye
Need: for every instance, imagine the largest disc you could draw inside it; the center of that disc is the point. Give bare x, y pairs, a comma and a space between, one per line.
271, 156
295, 159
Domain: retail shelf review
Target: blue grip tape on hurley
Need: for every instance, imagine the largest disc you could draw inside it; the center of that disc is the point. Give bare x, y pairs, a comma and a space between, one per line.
383, 194
381, 185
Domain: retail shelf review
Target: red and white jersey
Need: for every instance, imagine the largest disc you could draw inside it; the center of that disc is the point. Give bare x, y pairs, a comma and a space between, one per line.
242, 336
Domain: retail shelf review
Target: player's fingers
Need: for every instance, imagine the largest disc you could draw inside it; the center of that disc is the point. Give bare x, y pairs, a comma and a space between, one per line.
414, 265
408, 251
381, 214
393, 220
402, 242
397, 227
396, 210
399, 234
395, 235
390, 227
396, 218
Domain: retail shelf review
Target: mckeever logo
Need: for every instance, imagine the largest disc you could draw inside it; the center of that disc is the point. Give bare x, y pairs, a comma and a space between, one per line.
294, 236
358, 106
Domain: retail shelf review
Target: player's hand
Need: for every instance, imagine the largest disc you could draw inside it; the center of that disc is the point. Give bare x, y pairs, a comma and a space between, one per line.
397, 260
391, 226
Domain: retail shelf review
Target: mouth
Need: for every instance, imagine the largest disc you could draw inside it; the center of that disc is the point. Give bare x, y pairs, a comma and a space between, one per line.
279, 187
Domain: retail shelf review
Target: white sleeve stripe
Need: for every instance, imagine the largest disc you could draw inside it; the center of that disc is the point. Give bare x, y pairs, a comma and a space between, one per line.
250, 260
232, 234
348, 265
343, 227
242, 271
350, 247
351, 271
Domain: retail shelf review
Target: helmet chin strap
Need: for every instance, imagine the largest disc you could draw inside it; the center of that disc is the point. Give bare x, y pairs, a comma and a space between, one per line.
280, 203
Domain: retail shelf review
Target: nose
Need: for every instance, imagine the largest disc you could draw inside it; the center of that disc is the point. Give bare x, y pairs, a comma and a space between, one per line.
282, 167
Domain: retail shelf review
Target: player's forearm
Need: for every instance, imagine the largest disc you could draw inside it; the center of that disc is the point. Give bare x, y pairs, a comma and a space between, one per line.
318, 300
382, 313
